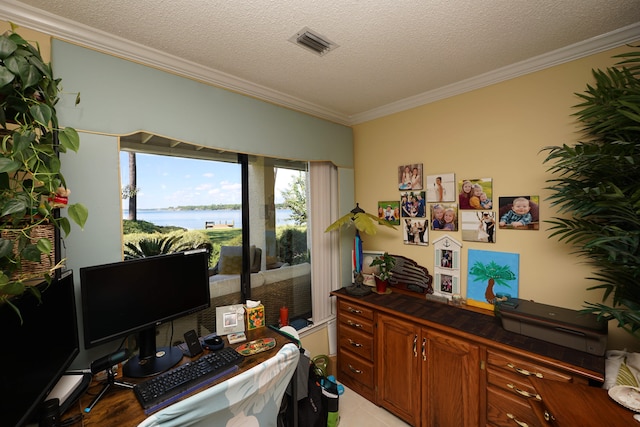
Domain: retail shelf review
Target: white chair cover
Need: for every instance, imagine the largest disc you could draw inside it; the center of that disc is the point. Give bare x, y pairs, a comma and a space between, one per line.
250, 399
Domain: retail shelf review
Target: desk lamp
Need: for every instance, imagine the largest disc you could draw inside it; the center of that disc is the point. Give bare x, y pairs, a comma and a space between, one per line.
366, 223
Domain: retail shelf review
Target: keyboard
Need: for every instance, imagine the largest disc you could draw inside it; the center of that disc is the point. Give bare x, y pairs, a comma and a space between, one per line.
166, 388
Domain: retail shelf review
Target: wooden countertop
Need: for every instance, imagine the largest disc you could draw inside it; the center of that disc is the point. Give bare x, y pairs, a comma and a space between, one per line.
478, 324
119, 406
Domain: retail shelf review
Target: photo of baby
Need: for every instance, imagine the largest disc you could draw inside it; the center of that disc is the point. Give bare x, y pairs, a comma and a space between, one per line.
519, 213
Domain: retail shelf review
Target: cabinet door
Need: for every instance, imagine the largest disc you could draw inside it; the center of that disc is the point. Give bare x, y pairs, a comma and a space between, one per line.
452, 395
399, 363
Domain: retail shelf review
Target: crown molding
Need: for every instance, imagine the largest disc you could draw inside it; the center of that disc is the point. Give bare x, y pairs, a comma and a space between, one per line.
570, 53
72, 32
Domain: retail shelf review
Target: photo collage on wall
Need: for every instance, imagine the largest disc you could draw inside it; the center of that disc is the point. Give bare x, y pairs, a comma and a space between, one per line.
440, 203
437, 202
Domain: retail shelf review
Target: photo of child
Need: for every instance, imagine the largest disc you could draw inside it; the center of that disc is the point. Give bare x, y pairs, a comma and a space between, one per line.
441, 188
470, 193
444, 217
410, 177
390, 211
519, 213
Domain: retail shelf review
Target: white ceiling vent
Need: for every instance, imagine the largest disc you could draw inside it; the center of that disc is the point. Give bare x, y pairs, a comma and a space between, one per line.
313, 41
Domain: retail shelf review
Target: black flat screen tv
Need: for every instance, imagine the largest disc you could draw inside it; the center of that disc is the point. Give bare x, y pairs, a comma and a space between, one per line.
36, 353
136, 296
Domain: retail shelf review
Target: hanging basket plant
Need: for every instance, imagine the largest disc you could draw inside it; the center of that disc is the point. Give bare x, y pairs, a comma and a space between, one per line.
32, 187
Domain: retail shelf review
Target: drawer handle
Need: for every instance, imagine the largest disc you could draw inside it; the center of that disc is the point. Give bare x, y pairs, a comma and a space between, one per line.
548, 416
520, 423
355, 325
354, 310
525, 393
354, 370
524, 371
415, 346
424, 349
353, 343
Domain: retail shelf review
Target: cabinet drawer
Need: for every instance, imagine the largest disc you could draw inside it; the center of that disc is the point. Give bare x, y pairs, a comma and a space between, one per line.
512, 383
524, 367
356, 368
505, 410
349, 321
357, 342
355, 310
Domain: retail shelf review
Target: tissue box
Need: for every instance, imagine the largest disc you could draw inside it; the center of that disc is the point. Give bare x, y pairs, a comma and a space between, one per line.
254, 317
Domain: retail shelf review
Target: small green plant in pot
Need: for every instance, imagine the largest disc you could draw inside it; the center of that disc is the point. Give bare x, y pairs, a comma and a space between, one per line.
32, 187
385, 264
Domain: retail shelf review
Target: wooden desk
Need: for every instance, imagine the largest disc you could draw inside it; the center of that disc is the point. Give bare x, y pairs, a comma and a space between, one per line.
577, 405
120, 407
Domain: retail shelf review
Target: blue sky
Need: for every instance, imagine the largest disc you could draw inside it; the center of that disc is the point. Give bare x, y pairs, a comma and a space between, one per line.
165, 181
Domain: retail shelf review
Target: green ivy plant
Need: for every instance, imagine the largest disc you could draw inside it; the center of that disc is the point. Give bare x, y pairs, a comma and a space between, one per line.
30, 176
385, 264
596, 189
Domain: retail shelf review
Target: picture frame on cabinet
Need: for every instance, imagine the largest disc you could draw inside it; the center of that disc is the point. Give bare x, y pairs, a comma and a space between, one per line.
410, 177
491, 275
368, 272
446, 262
441, 188
415, 231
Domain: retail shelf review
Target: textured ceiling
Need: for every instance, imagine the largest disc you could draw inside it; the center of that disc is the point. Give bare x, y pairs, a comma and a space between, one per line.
389, 51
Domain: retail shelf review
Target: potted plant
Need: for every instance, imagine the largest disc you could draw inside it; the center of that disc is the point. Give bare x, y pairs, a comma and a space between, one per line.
596, 188
32, 188
385, 264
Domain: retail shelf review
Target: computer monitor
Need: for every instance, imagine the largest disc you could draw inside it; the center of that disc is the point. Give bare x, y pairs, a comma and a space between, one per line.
36, 353
135, 296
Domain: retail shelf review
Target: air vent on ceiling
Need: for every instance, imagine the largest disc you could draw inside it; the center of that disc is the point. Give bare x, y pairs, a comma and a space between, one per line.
313, 41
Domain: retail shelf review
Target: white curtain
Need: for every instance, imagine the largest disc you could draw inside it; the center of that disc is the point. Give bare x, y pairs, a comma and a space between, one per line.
325, 249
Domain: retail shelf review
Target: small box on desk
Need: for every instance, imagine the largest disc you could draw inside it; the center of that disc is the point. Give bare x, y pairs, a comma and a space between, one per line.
254, 317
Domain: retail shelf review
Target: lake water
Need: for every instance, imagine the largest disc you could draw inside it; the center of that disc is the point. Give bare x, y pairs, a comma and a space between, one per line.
195, 220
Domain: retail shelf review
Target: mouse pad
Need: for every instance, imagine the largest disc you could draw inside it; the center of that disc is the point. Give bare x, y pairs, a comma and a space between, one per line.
256, 346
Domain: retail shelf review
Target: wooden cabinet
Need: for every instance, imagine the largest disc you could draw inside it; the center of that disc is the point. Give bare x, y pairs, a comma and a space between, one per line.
437, 365
453, 387
509, 390
356, 348
427, 377
399, 367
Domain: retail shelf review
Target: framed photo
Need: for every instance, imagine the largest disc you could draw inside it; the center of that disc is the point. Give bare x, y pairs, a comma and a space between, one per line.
475, 194
413, 204
368, 272
410, 177
491, 275
441, 188
415, 231
390, 211
519, 213
444, 217
446, 266
478, 226
229, 319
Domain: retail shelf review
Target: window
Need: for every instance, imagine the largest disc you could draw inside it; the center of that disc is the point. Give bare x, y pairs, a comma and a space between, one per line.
184, 185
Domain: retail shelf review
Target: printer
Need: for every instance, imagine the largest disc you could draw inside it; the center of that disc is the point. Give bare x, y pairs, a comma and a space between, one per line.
562, 326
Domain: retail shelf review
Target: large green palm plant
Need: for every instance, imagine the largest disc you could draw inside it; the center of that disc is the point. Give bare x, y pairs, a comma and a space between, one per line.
596, 189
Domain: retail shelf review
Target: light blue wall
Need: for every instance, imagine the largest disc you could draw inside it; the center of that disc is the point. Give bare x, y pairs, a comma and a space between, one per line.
120, 97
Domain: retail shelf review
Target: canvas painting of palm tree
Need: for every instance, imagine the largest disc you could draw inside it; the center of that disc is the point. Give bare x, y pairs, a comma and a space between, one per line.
491, 275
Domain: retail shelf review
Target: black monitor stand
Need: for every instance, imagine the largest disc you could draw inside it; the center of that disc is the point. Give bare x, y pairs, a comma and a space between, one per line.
151, 360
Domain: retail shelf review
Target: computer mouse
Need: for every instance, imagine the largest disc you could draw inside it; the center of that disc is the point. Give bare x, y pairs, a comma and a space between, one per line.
213, 343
